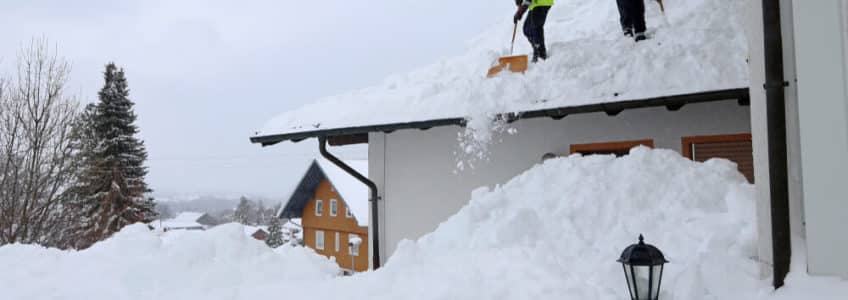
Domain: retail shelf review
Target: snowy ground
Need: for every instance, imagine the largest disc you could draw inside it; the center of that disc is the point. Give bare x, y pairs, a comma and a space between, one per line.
553, 232
698, 45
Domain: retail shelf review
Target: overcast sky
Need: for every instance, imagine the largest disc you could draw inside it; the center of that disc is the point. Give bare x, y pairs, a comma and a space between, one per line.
206, 73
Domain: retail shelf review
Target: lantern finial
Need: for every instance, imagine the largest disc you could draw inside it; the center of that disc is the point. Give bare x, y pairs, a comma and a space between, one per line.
641, 239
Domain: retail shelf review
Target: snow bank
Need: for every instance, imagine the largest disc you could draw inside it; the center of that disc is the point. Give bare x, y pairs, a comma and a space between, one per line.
553, 232
137, 263
699, 45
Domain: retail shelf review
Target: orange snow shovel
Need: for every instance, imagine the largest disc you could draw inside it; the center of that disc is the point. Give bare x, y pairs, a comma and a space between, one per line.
513, 63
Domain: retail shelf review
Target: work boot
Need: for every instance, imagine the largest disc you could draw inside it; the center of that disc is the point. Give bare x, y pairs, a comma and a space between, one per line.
539, 51
628, 32
640, 36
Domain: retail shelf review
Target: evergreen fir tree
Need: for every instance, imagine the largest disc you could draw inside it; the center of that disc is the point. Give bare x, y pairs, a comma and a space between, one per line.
80, 209
275, 234
112, 188
243, 212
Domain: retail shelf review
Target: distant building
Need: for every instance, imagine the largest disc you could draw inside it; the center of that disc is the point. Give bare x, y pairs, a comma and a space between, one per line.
333, 207
185, 221
259, 233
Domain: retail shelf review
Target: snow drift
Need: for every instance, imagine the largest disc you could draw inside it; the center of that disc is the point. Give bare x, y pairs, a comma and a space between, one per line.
138, 263
698, 45
553, 232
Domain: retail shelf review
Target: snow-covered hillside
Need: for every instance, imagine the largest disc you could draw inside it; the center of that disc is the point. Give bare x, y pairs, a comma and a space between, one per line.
553, 232
697, 45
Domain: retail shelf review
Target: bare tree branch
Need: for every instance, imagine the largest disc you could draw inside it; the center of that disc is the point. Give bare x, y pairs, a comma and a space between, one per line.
36, 155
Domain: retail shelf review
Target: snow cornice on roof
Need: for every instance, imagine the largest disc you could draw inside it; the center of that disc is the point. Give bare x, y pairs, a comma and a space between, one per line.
671, 102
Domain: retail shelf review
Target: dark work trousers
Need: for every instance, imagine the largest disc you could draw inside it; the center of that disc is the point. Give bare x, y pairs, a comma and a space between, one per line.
632, 14
534, 27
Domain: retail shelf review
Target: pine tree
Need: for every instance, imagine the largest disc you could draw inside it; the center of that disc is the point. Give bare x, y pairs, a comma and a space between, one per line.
113, 190
243, 212
260, 214
275, 234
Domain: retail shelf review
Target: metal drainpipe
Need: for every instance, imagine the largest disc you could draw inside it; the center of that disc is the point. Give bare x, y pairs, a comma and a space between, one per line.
375, 240
776, 123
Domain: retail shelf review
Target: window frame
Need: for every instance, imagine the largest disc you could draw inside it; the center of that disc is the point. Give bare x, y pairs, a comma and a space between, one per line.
609, 146
688, 144
322, 240
334, 207
337, 242
689, 141
319, 207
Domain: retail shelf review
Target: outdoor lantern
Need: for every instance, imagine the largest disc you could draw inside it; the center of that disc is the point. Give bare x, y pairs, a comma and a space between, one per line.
643, 269
353, 244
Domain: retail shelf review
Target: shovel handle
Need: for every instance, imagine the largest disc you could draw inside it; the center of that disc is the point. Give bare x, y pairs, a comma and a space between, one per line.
512, 47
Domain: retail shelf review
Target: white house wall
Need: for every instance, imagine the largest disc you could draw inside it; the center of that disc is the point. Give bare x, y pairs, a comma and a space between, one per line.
819, 28
420, 185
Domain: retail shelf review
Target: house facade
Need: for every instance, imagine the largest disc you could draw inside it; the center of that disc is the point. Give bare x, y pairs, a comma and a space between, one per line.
786, 127
333, 211
401, 159
799, 120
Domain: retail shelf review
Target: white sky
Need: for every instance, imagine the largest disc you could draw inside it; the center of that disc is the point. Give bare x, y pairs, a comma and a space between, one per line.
205, 73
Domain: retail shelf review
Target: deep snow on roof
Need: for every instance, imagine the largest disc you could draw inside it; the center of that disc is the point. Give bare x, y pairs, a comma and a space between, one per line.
188, 216
698, 45
353, 193
182, 220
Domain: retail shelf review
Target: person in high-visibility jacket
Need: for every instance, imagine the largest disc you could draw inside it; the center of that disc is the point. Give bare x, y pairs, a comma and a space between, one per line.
534, 26
632, 19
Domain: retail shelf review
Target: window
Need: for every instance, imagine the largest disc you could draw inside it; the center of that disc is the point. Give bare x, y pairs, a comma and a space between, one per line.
347, 212
337, 242
353, 251
319, 207
615, 148
733, 147
334, 207
319, 240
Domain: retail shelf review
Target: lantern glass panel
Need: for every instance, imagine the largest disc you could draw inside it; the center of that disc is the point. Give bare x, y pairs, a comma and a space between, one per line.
643, 285
657, 274
628, 273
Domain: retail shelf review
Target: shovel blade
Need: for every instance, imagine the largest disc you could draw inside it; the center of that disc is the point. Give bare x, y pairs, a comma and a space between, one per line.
515, 64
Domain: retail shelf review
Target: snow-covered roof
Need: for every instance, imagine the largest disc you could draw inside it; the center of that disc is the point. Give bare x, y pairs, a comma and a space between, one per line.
696, 46
353, 194
182, 220
188, 216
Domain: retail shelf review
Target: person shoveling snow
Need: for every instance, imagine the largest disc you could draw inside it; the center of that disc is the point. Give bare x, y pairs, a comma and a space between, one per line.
632, 13
534, 25
534, 31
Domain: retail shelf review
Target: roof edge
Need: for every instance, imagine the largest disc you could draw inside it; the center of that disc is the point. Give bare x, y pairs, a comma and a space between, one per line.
672, 102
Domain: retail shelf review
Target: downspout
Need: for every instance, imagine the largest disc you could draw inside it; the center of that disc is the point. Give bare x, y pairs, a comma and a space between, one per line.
375, 232
776, 123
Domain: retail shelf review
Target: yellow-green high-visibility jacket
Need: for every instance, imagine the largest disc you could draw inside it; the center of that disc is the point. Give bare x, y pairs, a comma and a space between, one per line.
534, 3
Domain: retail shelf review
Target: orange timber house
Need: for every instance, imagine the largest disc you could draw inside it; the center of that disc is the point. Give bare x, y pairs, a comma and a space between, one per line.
333, 207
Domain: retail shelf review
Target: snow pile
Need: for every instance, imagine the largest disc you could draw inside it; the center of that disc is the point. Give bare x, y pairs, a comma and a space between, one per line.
553, 232
137, 263
698, 45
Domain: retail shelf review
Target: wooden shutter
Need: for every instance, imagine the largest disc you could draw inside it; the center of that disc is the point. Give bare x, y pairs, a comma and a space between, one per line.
617, 148
736, 148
